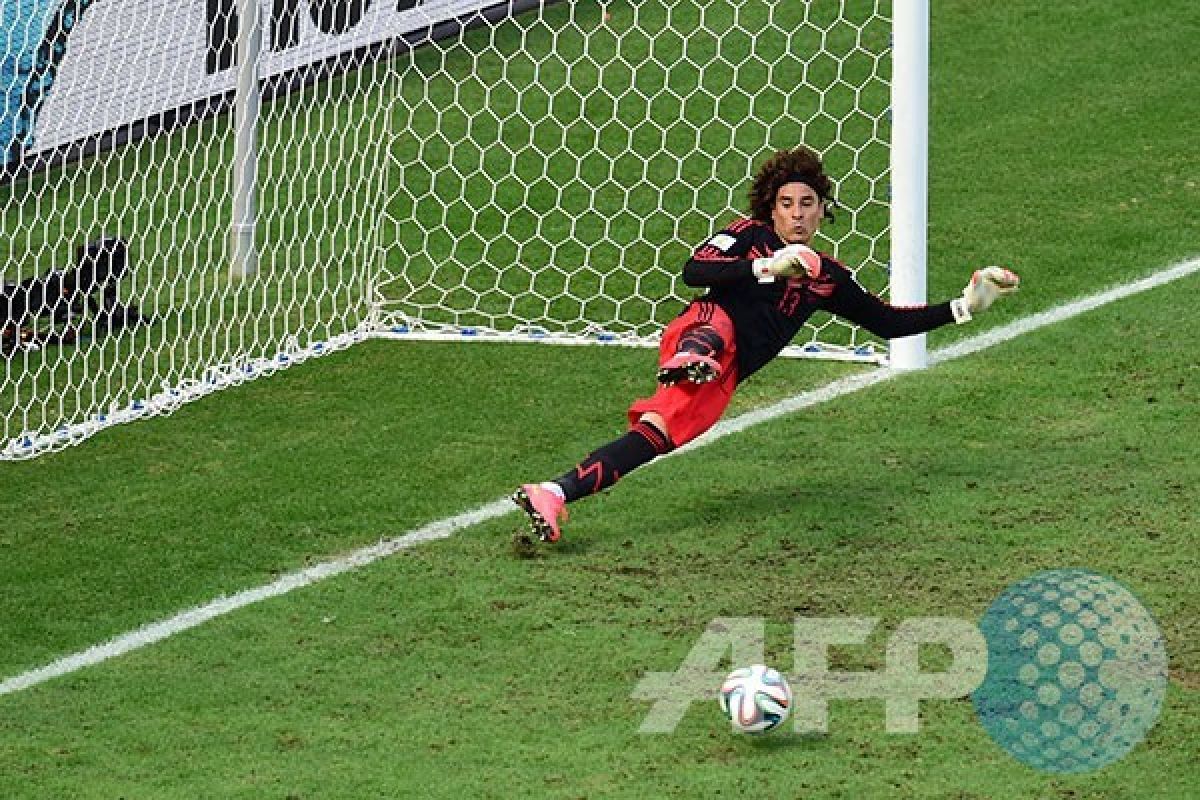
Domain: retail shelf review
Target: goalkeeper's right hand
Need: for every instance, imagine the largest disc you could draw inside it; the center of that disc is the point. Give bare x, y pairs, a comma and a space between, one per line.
795, 259
985, 286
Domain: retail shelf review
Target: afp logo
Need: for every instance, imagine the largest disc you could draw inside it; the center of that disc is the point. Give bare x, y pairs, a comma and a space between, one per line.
1066, 670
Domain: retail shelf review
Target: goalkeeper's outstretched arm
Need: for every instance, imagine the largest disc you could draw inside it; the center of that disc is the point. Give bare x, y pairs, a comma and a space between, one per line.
886, 321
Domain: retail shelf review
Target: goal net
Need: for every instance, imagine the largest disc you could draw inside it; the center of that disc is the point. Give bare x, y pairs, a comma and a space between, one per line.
555, 172
455, 169
119, 125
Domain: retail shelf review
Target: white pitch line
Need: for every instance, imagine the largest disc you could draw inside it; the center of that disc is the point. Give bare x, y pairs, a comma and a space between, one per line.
441, 529
157, 631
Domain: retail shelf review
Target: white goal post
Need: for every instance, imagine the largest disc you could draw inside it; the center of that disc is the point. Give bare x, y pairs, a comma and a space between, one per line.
468, 170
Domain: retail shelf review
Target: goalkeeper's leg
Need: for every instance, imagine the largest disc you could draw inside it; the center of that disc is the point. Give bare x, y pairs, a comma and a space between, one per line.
673, 416
545, 503
693, 344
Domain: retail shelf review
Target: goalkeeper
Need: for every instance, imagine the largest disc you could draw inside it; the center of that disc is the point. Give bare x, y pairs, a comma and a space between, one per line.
762, 283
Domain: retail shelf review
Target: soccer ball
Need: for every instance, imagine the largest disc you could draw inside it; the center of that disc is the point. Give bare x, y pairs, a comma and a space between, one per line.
756, 699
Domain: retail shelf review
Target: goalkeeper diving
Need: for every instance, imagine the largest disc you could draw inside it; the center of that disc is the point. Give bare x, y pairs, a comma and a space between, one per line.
762, 283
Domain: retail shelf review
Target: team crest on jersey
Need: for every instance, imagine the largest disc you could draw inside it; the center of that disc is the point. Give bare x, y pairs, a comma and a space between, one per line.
722, 241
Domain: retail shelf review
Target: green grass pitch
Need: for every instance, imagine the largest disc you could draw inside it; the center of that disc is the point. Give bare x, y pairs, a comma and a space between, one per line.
1061, 144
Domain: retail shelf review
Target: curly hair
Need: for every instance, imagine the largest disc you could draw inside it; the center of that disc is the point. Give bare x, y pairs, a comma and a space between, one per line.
787, 166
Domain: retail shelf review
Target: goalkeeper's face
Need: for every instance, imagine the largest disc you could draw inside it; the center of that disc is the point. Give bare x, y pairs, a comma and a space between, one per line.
797, 213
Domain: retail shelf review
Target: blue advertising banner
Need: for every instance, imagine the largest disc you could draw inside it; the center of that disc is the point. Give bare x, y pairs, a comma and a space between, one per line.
38, 32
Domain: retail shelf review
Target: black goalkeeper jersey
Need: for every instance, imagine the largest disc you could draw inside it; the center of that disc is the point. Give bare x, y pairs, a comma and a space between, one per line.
767, 314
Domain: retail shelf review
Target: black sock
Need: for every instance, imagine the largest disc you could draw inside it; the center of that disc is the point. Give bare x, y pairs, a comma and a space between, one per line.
607, 465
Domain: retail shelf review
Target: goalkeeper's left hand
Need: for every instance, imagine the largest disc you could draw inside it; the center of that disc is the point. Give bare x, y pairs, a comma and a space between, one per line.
985, 286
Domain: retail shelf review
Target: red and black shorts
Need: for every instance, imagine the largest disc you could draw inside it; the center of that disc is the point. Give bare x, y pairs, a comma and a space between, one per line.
690, 409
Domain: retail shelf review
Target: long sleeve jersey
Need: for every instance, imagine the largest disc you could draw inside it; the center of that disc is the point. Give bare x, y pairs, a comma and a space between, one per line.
766, 315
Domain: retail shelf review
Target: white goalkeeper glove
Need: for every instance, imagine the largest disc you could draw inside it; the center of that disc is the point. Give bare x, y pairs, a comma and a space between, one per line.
795, 259
984, 287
